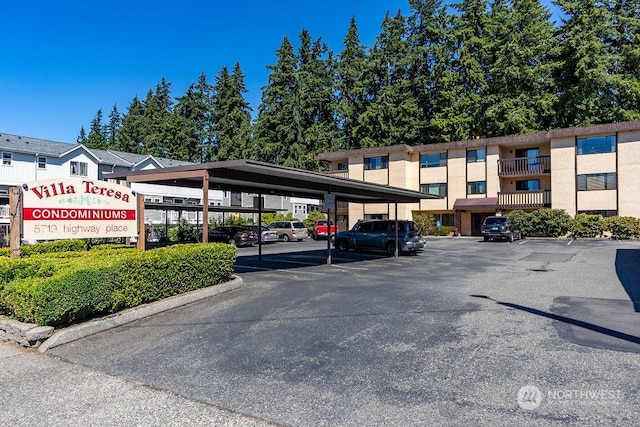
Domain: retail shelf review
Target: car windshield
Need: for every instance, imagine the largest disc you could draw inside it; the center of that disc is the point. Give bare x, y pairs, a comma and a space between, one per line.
494, 221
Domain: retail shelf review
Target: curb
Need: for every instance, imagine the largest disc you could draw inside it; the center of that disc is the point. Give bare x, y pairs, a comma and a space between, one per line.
82, 330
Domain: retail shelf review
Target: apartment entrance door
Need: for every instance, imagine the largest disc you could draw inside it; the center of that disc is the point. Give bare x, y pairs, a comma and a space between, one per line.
476, 223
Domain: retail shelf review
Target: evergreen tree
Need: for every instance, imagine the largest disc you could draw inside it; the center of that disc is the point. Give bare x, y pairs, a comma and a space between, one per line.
351, 88
317, 103
115, 121
277, 129
520, 95
193, 123
131, 134
393, 115
231, 116
625, 46
97, 135
82, 137
159, 125
429, 56
465, 83
585, 79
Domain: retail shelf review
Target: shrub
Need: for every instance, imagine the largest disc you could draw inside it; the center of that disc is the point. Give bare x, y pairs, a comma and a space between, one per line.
623, 227
75, 245
550, 222
425, 222
585, 225
442, 231
56, 289
522, 220
184, 232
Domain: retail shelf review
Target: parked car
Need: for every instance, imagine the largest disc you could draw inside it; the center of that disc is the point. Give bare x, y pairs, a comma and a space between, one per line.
323, 231
265, 234
500, 227
232, 234
289, 230
380, 235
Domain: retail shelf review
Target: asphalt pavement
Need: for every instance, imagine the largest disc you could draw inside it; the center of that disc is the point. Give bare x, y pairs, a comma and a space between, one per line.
465, 332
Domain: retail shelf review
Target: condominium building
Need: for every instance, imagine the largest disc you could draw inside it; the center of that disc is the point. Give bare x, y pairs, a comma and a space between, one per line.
591, 169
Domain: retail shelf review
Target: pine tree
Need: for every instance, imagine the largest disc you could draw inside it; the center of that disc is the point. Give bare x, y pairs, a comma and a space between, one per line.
82, 137
97, 135
520, 95
115, 121
192, 120
393, 116
159, 126
277, 128
231, 118
464, 84
131, 134
585, 80
428, 54
351, 88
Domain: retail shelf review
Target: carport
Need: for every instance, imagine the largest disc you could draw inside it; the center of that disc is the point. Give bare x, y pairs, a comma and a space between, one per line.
261, 178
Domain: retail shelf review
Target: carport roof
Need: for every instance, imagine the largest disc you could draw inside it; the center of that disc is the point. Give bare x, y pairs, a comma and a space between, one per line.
258, 177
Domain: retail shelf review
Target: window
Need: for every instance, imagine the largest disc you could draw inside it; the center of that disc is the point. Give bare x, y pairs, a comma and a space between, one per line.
343, 166
597, 181
380, 162
42, 162
433, 160
6, 158
604, 213
478, 155
435, 189
597, 144
236, 199
528, 185
79, 169
477, 187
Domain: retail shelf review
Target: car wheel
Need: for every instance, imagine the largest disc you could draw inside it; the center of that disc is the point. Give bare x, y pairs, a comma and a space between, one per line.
391, 248
231, 242
511, 237
285, 238
485, 238
342, 246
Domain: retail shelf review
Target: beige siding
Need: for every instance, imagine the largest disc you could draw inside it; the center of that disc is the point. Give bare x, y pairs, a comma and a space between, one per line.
595, 163
563, 174
457, 169
597, 200
629, 174
493, 181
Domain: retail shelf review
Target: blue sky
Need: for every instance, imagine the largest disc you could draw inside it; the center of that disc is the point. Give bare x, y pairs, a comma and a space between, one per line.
61, 61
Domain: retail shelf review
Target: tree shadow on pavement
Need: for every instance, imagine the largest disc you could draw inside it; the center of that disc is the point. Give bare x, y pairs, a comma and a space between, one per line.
628, 271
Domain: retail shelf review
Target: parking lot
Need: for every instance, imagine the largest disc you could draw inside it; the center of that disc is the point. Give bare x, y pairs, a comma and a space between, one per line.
465, 332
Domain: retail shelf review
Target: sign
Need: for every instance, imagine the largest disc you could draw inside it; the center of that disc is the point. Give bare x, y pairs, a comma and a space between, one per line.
330, 201
75, 208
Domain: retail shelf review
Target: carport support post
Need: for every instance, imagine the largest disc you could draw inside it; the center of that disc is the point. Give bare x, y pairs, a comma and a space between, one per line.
329, 236
141, 244
260, 226
397, 232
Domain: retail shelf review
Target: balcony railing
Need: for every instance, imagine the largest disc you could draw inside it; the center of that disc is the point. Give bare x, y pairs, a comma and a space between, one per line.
338, 173
525, 199
524, 166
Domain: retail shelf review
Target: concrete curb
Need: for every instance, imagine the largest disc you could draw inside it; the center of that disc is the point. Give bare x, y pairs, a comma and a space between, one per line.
76, 332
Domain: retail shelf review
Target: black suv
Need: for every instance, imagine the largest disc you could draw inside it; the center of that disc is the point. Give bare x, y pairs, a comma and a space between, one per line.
380, 235
500, 227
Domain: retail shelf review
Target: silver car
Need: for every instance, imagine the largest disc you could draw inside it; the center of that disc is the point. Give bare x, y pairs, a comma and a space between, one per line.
265, 234
289, 230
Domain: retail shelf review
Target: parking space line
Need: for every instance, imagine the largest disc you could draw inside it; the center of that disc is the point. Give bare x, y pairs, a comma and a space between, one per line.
523, 242
569, 243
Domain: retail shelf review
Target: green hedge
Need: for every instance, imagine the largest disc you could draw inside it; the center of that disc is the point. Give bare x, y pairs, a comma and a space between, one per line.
586, 225
623, 227
56, 289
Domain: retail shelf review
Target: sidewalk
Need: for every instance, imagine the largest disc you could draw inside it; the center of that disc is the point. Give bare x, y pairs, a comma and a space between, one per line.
40, 390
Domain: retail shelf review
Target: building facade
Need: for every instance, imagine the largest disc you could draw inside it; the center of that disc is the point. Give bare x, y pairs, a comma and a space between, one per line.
591, 169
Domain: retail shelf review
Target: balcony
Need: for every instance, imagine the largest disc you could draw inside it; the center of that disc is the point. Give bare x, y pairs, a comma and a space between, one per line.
525, 200
338, 173
524, 166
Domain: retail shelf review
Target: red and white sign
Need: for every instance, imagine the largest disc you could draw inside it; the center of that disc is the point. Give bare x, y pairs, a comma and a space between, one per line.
75, 208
